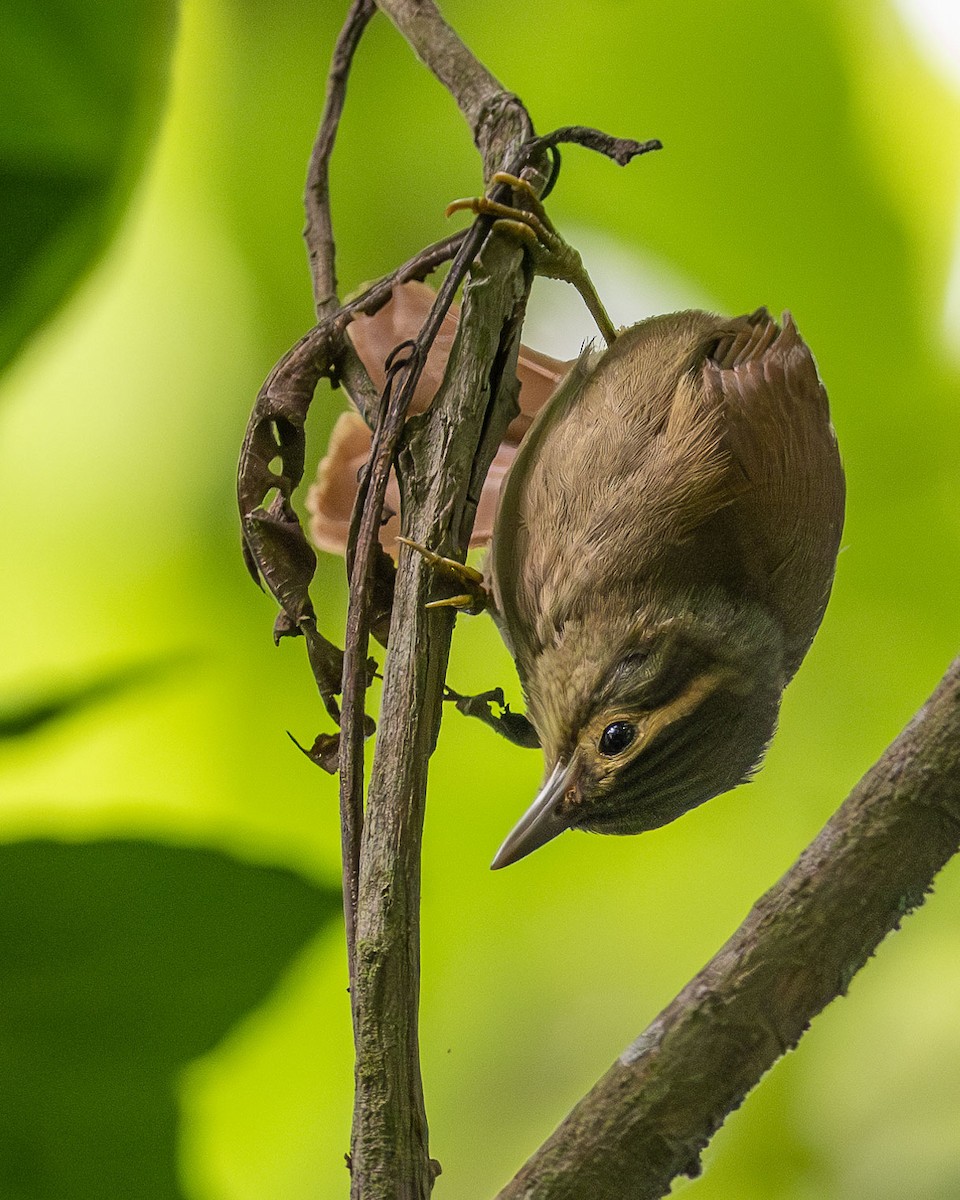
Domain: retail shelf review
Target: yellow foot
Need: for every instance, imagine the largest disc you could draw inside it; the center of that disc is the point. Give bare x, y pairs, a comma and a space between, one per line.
527, 221
475, 597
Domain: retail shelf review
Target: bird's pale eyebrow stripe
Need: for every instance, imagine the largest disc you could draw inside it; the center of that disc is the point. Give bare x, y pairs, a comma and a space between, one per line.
691, 694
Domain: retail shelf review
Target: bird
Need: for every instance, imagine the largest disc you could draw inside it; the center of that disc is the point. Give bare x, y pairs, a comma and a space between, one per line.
663, 549
662, 556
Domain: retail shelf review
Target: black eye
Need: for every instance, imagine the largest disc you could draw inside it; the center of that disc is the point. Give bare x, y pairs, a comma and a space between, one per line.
617, 737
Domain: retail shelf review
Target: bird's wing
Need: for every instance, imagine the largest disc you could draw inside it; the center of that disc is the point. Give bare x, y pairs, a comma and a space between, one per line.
510, 544
777, 429
618, 472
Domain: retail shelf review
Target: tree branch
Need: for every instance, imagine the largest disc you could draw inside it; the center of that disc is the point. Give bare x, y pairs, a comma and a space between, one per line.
441, 454
318, 233
647, 1120
482, 99
321, 252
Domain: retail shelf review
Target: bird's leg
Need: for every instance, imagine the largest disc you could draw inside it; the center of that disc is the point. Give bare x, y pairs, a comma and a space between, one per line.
552, 257
473, 599
513, 726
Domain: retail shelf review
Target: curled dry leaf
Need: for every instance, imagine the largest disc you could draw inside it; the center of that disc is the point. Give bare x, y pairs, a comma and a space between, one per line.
331, 498
271, 466
325, 751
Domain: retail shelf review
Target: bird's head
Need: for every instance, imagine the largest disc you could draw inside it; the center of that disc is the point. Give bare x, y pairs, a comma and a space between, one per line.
643, 716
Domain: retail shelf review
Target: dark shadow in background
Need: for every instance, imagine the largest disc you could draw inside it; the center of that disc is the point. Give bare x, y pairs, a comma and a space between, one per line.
119, 963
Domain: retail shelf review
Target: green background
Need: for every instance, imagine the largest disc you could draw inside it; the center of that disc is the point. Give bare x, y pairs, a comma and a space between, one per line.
171, 966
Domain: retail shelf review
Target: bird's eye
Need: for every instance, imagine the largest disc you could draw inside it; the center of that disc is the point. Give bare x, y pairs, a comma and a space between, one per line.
616, 738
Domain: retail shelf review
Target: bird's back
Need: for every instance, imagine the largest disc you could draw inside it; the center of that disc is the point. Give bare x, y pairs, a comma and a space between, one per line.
620, 466
695, 452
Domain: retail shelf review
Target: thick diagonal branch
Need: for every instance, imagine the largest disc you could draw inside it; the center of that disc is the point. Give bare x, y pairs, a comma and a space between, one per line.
647, 1120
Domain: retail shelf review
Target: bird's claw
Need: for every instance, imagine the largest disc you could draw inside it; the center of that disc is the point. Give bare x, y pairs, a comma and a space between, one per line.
527, 221
473, 599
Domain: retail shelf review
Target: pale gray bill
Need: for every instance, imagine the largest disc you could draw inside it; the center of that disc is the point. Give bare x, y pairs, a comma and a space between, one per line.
540, 823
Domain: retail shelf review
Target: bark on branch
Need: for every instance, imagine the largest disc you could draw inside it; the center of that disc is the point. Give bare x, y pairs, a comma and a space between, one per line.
647, 1120
441, 455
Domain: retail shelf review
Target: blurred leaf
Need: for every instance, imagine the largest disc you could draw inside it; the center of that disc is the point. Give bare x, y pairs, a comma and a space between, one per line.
28, 714
80, 94
119, 962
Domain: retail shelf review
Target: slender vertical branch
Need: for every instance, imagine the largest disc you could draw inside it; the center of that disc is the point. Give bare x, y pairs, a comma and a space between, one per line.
318, 233
321, 251
389, 1149
389, 1146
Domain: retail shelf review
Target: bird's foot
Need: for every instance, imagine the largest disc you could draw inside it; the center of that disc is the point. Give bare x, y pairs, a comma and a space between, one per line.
527, 221
474, 597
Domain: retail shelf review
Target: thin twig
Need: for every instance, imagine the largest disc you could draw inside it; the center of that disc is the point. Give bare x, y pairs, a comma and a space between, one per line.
321, 251
370, 501
647, 1120
318, 233
621, 150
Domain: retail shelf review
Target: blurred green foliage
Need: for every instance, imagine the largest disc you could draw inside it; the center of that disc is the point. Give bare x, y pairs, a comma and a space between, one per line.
811, 162
80, 95
119, 962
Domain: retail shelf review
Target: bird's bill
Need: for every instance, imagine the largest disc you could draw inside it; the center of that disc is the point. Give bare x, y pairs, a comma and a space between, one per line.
540, 823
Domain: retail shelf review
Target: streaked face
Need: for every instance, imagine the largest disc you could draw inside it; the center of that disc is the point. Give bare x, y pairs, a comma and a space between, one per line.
671, 726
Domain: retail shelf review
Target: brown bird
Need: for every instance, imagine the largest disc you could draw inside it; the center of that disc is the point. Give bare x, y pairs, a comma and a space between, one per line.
662, 554
661, 560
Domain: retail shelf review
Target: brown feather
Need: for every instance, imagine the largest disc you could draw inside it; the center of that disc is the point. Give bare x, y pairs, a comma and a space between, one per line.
787, 524
677, 505
619, 471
